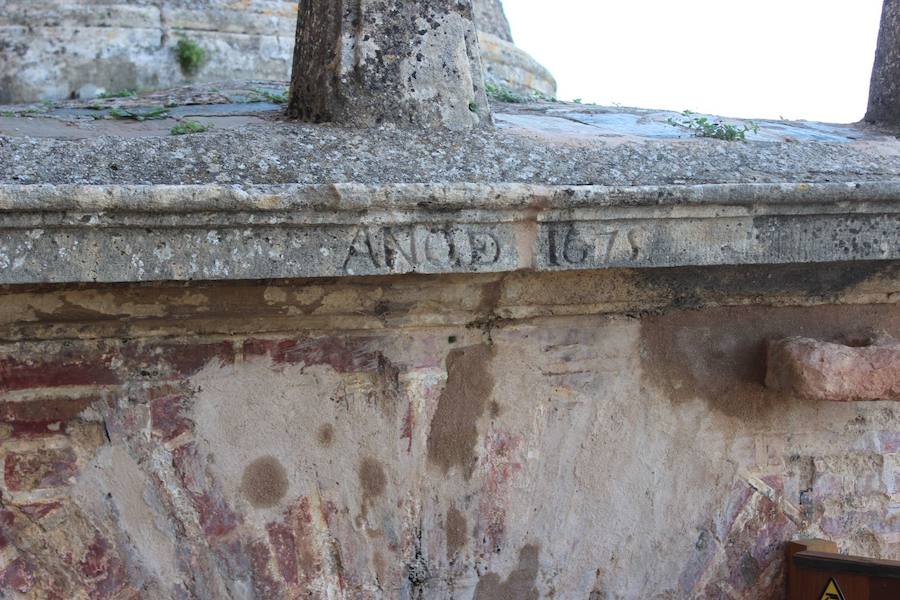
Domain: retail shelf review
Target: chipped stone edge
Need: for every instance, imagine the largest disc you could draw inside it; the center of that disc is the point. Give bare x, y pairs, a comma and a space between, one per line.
84, 233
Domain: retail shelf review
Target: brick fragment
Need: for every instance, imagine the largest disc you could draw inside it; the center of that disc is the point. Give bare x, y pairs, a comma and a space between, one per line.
44, 410
17, 576
17, 374
167, 414
820, 370
343, 354
47, 468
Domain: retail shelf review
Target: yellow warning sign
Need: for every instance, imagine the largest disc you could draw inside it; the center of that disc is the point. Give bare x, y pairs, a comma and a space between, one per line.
832, 591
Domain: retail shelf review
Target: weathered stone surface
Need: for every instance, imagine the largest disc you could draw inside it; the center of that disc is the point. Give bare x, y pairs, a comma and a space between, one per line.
542, 143
532, 432
827, 371
151, 233
588, 444
490, 19
884, 92
58, 49
408, 63
509, 67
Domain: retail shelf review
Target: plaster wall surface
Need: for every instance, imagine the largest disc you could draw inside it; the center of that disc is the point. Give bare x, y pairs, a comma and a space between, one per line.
601, 434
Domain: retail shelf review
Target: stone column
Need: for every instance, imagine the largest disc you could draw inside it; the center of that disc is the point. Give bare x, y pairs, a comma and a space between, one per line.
884, 92
408, 62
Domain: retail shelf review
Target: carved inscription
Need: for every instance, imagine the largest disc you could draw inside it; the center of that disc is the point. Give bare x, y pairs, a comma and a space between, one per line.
590, 244
416, 247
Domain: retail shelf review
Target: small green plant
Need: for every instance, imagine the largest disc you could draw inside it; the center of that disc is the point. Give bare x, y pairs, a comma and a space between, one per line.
189, 127
150, 115
273, 97
718, 129
190, 56
119, 94
21, 113
502, 94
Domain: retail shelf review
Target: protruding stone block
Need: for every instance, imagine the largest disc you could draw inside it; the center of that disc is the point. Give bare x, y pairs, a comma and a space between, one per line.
374, 61
827, 371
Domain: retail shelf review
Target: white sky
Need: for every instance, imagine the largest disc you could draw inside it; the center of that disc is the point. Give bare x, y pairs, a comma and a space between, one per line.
755, 58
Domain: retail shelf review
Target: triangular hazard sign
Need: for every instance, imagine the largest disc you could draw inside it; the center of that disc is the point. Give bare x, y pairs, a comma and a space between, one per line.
832, 591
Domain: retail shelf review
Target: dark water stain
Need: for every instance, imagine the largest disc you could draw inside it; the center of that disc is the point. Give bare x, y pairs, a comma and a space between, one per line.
372, 479
264, 482
325, 435
453, 435
455, 528
519, 584
389, 393
719, 354
699, 286
494, 409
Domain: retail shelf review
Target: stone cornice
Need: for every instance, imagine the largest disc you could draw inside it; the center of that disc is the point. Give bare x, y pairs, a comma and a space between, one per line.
72, 233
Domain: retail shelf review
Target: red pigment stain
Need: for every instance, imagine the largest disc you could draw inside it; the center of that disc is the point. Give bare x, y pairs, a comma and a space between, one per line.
500, 448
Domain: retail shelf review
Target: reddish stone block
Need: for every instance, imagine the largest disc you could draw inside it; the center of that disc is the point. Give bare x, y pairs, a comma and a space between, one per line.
343, 354
186, 360
104, 572
167, 416
216, 517
7, 521
38, 429
173, 361
41, 469
17, 576
93, 562
281, 537
39, 510
44, 410
186, 463
18, 374
824, 371
264, 584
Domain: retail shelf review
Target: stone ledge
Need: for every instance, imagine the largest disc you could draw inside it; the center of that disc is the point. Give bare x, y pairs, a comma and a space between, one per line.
71, 233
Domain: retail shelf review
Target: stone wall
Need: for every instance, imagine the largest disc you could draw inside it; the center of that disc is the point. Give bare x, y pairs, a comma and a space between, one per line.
77, 48
602, 434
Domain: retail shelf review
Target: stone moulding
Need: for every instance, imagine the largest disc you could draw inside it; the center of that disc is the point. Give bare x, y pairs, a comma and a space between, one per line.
72, 233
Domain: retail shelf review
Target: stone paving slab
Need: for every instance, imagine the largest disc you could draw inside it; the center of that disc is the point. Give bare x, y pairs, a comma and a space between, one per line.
251, 143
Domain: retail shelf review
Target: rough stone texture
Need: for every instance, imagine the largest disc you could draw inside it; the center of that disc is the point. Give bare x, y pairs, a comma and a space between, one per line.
413, 64
507, 66
543, 143
826, 371
490, 19
884, 93
149, 233
797, 192
274, 440
52, 49
545, 431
